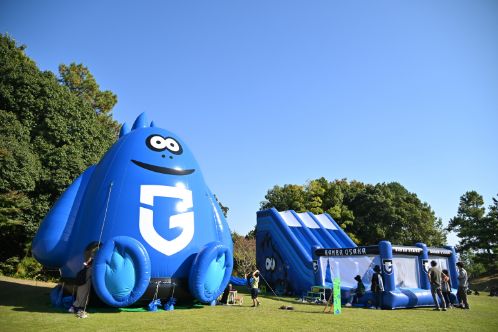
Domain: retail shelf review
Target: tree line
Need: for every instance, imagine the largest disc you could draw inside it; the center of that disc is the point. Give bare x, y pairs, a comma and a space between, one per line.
368, 213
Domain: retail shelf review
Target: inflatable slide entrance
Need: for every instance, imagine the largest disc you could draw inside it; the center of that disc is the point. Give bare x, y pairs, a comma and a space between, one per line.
295, 251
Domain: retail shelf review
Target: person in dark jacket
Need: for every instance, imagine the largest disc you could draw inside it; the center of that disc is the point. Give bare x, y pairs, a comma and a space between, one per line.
226, 292
357, 293
85, 286
377, 288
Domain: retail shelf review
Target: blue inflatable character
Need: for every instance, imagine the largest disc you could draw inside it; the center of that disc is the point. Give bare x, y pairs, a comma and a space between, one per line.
147, 205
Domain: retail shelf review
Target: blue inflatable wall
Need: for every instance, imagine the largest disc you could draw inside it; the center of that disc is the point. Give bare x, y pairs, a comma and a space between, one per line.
157, 222
295, 251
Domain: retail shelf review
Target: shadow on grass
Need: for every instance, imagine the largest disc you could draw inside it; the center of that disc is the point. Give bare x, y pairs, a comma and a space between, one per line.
36, 298
22, 297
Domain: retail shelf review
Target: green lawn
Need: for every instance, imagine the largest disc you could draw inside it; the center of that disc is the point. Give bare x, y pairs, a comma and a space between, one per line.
25, 306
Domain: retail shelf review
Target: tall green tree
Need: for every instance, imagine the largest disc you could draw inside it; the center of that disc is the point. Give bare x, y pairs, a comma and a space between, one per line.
489, 236
81, 83
477, 230
288, 197
389, 211
52, 129
19, 172
467, 222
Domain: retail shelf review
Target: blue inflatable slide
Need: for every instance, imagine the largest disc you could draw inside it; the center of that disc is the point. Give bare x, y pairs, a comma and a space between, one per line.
296, 251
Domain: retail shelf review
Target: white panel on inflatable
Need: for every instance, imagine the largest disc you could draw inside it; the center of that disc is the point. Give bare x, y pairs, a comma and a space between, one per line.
325, 221
308, 221
346, 268
289, 219
406, 271
442, 262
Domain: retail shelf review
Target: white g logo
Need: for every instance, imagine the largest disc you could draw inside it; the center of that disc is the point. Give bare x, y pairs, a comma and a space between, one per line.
182, 220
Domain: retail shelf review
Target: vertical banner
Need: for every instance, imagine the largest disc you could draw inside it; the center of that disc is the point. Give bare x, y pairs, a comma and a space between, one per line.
337, 296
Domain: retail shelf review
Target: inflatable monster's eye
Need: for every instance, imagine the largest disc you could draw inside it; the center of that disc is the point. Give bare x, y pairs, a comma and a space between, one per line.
273, 264
268, 264
156, 142
173, 146
159, 143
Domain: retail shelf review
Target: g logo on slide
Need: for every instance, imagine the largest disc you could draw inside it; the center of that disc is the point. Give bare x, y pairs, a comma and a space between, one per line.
182, 220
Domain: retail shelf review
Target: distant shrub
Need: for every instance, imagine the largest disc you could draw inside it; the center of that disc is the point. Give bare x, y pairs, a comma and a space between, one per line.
29, 268
9, 267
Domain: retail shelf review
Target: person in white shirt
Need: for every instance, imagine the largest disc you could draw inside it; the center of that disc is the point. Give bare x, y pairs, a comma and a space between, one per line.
463, 285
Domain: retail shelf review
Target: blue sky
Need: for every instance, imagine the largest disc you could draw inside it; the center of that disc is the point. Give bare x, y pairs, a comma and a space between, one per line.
276, 92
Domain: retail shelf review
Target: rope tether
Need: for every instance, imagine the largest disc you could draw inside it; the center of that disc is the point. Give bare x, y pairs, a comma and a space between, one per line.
157, 290
278, 297
84, 315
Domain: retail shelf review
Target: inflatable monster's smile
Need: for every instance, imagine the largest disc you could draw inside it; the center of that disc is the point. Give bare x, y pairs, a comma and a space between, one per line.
164, 170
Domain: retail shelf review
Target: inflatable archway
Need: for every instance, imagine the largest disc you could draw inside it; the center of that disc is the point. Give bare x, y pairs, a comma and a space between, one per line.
156, 220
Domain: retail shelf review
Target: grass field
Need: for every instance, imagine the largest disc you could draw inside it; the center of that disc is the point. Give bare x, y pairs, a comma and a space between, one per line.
24, 306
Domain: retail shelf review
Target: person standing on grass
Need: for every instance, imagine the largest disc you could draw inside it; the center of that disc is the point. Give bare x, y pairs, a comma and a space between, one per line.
377, 288
463, 284
83, 290
255, 289
435, 277
446, 287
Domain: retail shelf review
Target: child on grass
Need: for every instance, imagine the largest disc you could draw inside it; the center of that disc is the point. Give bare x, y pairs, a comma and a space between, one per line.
446, 287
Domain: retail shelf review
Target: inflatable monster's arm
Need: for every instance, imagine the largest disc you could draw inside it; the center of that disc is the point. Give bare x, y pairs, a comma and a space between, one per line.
51, 241
222, 230
212, 266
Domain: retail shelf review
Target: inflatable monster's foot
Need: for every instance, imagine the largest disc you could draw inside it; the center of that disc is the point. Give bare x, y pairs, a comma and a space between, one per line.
121, 271
210, 272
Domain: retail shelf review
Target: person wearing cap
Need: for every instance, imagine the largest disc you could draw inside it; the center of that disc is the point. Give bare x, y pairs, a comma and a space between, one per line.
357, 293
377, 287
463, 285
